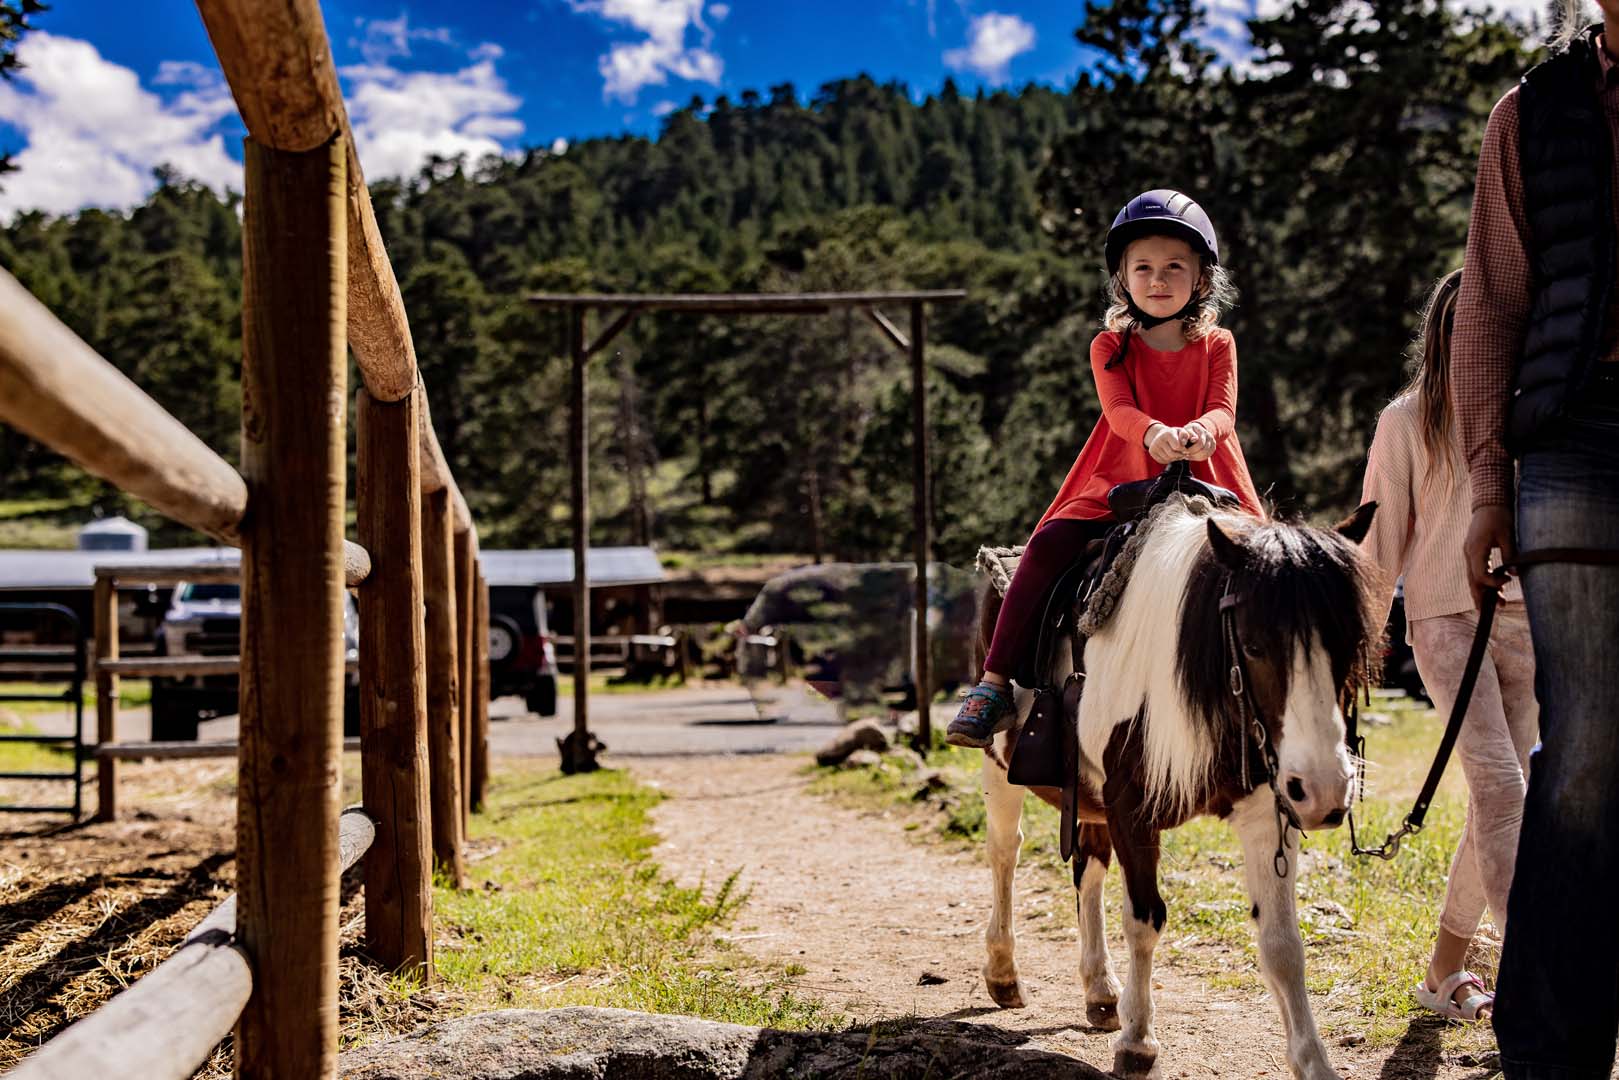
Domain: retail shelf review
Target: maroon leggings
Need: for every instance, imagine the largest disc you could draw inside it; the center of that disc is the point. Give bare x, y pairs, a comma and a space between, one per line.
1052, 549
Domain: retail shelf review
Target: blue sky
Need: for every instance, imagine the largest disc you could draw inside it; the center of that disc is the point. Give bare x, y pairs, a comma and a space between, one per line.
112, 89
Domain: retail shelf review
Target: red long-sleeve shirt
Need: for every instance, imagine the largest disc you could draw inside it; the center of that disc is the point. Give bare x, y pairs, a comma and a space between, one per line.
1198, 382
1492, 311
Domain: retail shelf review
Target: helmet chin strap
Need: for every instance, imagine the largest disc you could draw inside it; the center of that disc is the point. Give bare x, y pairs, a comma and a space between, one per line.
1140, 319
1148, 322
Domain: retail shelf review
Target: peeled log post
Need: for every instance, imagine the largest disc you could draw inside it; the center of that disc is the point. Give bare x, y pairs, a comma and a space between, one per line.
923, 742
464, 662
106, 624
294, 368
393, 688
480, 689
443, 685
279, 65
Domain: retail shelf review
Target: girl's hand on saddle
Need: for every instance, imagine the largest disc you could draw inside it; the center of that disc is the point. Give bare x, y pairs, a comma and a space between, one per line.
1196, 442
1163, 443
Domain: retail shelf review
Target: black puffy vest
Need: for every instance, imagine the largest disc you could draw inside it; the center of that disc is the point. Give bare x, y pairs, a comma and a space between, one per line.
1567, 162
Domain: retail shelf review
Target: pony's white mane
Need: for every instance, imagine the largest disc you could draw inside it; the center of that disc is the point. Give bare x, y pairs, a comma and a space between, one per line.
1131, 667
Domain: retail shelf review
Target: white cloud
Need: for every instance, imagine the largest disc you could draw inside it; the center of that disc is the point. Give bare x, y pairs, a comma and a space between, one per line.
718, 12
384, 40
664, 108
400, 118
993, 39
629, 66
94, 134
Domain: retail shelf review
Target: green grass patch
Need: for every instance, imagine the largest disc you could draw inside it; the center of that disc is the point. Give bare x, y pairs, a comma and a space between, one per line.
32, 757
132, 694
571, 910
605, 684
1368, 925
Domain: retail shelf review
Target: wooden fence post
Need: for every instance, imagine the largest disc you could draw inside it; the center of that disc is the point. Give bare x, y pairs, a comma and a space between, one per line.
480, 687
464, 664
106, 626
294, 414
393, 687
443, 684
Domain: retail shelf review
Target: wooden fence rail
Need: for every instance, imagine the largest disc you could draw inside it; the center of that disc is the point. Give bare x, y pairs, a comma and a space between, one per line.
165, 1026
316, 282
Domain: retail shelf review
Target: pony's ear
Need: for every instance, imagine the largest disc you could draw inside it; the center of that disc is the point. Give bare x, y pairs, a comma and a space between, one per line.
1355, 527
1226, 550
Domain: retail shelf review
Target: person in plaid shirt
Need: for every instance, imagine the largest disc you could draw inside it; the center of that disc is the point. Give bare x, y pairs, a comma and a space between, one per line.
1535, 377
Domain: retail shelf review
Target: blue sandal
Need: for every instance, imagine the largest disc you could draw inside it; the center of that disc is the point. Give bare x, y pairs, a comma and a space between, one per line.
986, 710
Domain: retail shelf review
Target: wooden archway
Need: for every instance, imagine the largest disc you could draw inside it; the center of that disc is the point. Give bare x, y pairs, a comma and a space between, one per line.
619, 311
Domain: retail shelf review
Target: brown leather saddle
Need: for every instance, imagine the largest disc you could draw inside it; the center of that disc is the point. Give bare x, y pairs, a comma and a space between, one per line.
1047, 750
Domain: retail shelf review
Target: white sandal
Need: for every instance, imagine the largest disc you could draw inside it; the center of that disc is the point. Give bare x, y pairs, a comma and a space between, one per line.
1443, 1000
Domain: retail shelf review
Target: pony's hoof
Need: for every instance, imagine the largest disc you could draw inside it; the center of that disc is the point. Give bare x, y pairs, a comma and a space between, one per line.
1136, 1063
1102, 1015
1008, 995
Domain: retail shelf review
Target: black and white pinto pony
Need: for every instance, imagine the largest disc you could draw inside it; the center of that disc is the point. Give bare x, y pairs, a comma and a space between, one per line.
1168, 731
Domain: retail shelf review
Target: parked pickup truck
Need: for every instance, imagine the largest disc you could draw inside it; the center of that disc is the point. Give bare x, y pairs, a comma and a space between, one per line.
205, 620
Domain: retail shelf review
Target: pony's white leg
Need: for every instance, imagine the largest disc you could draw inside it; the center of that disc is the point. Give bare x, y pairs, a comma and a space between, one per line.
1095, 966
1003, 817
1281, 951
1135, 1052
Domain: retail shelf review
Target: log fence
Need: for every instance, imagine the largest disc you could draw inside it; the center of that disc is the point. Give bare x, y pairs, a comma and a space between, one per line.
316, 283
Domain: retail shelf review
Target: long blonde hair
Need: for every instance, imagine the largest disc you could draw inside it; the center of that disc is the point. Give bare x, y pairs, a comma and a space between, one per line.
1215, 290
1430, 381
1568, 20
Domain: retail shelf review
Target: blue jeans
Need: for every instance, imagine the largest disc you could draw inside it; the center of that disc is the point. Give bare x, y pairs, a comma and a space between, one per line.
1557, 1004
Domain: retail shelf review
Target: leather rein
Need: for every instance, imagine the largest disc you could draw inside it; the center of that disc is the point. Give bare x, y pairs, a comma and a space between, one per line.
1412, 824
1252, 724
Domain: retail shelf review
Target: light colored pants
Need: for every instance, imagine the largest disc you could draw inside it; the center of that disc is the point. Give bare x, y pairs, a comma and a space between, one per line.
1501, 727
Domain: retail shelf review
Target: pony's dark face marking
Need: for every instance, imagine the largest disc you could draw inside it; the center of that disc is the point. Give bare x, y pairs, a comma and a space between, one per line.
1304, 625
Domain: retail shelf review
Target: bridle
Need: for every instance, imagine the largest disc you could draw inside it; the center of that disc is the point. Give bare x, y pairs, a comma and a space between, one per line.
1251, 723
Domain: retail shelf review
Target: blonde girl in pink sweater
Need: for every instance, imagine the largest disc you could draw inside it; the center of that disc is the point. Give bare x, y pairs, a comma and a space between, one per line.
1417, 475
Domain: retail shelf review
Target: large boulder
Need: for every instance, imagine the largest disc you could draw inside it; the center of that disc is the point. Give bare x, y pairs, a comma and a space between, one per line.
615, 1044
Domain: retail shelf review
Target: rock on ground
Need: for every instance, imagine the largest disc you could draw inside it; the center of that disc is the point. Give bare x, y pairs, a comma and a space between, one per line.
859, 735
597, 1044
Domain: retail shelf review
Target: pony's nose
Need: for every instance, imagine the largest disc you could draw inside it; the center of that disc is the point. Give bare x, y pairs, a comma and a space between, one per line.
1318, 805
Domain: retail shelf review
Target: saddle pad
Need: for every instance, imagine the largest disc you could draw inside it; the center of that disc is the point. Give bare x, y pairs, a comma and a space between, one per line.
998, 564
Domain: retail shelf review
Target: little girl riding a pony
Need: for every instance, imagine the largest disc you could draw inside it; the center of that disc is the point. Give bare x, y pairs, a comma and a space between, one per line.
1166, 375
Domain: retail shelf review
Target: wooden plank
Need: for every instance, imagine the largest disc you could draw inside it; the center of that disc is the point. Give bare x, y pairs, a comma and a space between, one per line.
393, 688
464, 662
294, 367
480, 694
106, 631
443, 685
183, 751
176, 666
206, 982
740, 302
55, 389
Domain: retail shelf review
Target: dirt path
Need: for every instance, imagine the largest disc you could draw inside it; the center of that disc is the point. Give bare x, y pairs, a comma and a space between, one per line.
865, 909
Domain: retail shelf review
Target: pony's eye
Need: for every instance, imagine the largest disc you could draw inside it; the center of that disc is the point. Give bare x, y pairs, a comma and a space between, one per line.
1252, 651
